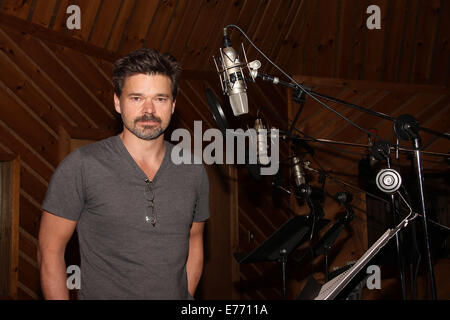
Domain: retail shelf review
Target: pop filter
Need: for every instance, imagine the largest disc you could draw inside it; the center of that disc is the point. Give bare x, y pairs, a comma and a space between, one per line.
254, 170
216, 110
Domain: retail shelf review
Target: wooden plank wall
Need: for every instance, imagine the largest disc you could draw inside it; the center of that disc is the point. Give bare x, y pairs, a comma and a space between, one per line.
37, 98
9, 225
310, 37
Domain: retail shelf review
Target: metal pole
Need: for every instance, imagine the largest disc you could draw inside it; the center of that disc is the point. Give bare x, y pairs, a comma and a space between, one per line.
425, 224
399, 249
283, 266
327, 274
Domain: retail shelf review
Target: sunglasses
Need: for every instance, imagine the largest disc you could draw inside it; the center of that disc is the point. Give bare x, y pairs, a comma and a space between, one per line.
150, 213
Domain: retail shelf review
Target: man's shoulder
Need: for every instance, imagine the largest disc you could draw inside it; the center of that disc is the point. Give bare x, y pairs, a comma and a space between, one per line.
99, 145
101, 148
95, 150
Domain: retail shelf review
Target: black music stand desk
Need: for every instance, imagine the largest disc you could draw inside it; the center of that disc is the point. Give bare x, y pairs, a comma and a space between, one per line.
282, 242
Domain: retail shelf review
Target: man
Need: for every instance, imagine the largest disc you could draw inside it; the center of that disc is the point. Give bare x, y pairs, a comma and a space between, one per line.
139, 217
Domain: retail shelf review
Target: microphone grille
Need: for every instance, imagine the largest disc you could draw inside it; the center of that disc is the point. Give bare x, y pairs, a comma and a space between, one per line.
239, 103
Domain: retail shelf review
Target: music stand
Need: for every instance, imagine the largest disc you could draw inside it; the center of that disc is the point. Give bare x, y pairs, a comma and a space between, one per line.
323, 246
282, 242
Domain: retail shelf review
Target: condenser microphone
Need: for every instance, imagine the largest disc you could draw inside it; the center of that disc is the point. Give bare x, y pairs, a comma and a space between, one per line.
298, 172
261, 133
232, 78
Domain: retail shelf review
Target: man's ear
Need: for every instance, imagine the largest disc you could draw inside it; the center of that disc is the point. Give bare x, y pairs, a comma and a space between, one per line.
173, 105
117, 103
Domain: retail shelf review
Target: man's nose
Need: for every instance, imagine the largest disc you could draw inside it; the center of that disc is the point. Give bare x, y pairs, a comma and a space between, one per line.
149, 106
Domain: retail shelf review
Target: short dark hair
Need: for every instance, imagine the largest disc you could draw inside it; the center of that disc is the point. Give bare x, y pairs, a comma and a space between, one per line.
146, 61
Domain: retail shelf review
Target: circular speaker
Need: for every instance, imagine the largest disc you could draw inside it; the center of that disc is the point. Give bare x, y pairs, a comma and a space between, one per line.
388, 180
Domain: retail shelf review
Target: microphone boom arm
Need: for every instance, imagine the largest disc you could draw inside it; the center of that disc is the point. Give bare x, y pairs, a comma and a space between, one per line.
277, 81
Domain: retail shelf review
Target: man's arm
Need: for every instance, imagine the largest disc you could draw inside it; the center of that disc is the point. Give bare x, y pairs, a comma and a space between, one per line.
54, 233
194, 265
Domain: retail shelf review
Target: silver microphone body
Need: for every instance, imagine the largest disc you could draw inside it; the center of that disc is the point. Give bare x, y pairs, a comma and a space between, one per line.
232, 76
261, 131
298, 172
235, 86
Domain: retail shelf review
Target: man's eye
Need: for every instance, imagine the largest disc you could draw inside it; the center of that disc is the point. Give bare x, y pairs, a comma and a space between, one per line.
136, 99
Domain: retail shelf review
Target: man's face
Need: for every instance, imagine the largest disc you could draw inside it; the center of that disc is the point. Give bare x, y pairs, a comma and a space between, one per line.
146, 105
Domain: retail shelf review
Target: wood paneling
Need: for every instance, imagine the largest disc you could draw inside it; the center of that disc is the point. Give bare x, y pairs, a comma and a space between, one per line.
440, 60
138, 25
9, 225
158, 30
219, 236
311, 37
43, 12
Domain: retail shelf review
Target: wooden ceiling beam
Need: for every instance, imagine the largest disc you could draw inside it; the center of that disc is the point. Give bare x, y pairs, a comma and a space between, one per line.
62, 39
369, 84
56, 37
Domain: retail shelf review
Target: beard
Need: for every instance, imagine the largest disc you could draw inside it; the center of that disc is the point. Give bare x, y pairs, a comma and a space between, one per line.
145, 132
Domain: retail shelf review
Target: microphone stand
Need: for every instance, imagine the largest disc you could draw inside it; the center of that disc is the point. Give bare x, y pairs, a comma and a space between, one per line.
375, 113
330, 237
285, 135
398, 242
298, 93
406, 128
283, 259
381, 151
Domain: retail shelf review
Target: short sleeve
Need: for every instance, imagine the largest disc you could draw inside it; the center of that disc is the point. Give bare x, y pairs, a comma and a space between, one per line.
65, 195
202, 205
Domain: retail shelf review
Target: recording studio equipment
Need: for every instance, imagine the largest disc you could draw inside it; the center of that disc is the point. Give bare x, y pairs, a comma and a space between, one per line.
313, 196
406, 127
281, 243
298, 172
332, 288
232, 77
388, 181
380, 151
277, 248
324, 244
254, 170
343, 198
253, 71
261, 132
216, 110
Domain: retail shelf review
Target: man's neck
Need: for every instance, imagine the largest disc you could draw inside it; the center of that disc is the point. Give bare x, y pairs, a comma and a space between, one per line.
144, 151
